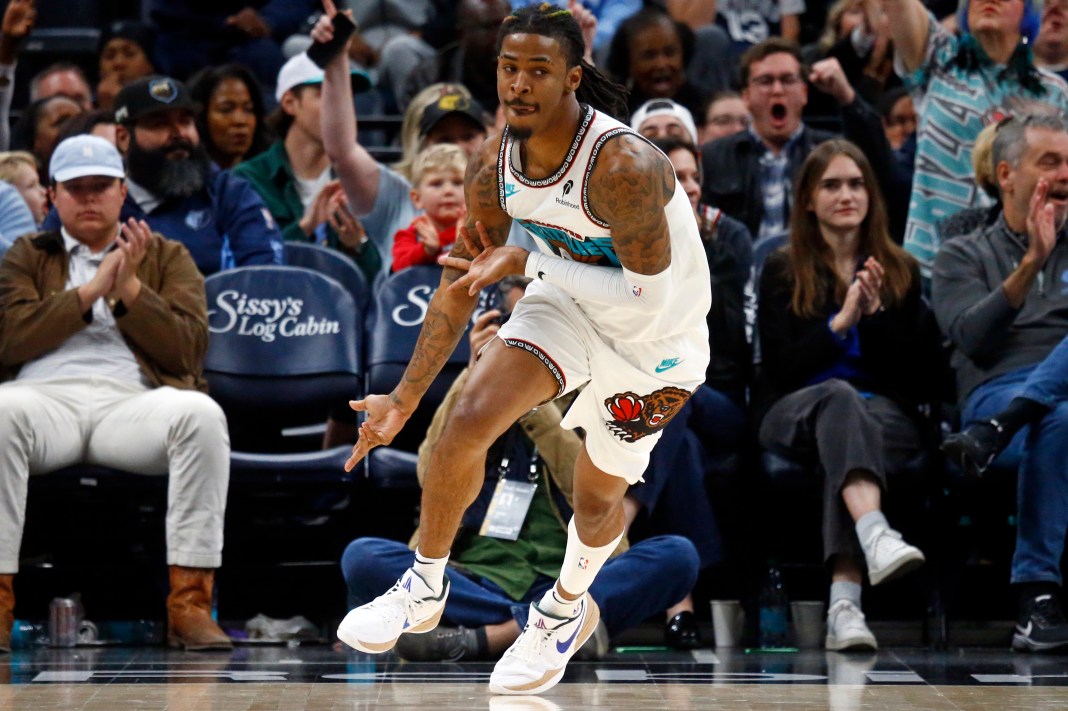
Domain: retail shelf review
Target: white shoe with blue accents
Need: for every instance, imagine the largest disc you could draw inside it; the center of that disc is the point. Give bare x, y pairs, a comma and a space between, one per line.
410, 606
536, 661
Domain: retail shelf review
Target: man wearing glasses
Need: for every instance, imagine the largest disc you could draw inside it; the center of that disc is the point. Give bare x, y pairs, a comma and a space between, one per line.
748, 174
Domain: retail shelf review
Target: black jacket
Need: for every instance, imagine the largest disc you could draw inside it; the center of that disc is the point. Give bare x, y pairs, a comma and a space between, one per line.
731, 165
899, 347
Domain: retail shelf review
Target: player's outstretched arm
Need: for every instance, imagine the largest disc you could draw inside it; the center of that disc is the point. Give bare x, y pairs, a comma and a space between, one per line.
447, 315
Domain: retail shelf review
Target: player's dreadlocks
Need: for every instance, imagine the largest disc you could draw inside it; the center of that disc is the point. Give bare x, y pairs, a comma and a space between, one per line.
548, 20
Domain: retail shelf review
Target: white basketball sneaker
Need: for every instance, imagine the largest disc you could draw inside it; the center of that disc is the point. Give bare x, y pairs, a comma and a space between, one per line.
536, 661
408, 606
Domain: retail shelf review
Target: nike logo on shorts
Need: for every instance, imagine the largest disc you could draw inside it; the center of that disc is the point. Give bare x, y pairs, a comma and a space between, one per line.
668, 364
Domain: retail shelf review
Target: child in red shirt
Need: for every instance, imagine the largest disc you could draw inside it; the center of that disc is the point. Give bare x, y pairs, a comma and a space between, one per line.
437, 190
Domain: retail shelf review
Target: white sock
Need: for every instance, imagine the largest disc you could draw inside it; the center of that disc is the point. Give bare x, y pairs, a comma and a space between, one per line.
845, 590
868, 523
582, 562
552, 604
431, 570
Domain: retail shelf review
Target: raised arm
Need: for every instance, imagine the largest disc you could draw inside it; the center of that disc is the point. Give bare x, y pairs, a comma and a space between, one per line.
448, 312
356, 168
910, 28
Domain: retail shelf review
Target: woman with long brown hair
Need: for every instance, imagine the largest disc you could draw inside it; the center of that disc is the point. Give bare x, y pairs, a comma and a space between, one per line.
839, 319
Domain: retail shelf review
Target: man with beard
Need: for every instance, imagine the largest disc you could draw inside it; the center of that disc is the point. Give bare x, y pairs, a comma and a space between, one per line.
749, 174
174, 187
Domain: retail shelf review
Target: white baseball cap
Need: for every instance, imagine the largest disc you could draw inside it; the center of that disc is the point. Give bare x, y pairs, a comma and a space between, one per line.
664, 107
300, 70
84, 155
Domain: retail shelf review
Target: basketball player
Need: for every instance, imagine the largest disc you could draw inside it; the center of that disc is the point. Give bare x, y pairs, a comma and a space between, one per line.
618, 304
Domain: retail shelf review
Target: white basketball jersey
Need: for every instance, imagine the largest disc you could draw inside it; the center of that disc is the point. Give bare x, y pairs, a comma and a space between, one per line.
556, 212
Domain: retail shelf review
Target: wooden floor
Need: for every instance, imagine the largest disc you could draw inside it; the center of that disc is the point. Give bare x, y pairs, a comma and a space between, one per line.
324, 679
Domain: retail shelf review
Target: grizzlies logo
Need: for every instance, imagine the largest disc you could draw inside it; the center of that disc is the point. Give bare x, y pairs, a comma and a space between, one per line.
635, 416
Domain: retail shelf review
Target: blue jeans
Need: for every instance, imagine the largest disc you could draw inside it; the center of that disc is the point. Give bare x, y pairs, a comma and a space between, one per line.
648, 579
1040, 451
1048, 382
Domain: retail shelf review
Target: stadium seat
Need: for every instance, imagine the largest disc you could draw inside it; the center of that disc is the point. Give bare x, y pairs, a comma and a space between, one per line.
333, 264
285, 349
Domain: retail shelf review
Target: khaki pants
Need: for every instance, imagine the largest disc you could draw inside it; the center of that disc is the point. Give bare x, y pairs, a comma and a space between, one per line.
50, 424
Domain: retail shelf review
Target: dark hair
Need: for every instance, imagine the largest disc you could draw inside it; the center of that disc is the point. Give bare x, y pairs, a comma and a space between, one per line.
85, 123
669, 144
548, 20
758, 52
204, 84
24, 133
618, 62
137, 32
278, 121
811, 258
890, 97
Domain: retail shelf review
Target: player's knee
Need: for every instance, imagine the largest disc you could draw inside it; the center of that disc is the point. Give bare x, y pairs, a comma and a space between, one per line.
593, 510
474, 422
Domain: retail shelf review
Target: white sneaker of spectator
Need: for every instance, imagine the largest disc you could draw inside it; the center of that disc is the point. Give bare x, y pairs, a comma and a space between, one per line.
846, 628
889, 556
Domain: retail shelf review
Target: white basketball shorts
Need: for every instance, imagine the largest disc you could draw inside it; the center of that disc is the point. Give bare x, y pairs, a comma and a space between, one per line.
634, 388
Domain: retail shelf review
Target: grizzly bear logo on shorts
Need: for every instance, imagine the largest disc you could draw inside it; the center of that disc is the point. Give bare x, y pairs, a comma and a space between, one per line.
635, 416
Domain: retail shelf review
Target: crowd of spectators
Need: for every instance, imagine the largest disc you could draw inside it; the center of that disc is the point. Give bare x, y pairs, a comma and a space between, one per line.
873, 196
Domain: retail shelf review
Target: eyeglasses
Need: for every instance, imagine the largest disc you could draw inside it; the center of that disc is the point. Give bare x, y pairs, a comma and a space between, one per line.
766, 81
729, 120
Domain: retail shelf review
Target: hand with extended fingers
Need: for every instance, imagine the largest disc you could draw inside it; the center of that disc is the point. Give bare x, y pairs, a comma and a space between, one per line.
384, 420
490, 263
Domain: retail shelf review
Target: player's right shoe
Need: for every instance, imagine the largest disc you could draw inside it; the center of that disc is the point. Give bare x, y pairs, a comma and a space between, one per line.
536, 661
410, 606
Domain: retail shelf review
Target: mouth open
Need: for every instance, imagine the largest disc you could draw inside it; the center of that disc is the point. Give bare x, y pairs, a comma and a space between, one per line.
778, 111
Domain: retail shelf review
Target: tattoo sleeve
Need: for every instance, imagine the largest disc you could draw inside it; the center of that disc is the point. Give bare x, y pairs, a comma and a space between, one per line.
450, 311
629, 189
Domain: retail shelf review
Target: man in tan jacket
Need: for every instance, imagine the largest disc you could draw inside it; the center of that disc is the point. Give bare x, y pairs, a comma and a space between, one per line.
103, 330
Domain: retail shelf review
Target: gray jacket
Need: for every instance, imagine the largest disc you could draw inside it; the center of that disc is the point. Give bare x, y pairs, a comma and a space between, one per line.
989, 336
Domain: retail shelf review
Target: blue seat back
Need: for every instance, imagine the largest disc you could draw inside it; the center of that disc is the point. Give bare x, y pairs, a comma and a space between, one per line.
285, 344
333, 264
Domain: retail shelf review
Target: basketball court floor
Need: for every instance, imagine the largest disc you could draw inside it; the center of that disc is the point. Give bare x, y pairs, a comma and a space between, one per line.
320, 678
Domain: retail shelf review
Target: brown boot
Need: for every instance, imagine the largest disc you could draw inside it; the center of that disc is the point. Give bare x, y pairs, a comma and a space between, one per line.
7, 610
189, 622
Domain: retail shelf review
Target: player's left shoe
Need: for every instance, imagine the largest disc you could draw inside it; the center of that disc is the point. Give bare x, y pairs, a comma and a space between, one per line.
536, 661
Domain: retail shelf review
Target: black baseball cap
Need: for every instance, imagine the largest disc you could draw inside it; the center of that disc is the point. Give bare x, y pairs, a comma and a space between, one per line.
149, 95
448, 104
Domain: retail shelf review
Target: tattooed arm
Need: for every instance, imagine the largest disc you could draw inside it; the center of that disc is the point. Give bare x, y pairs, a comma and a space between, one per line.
630, 186
448, 313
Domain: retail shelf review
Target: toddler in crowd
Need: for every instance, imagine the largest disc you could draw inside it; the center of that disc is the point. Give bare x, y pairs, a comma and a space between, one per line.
19, 168
437, 190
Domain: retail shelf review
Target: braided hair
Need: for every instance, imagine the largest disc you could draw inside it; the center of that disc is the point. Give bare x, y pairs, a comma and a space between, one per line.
548, 20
